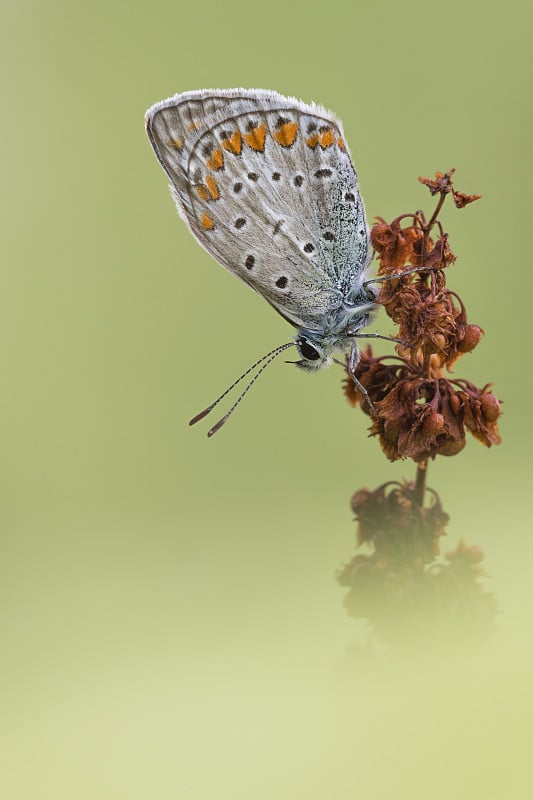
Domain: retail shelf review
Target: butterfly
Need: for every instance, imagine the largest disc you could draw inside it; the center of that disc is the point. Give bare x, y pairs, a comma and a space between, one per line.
267, 186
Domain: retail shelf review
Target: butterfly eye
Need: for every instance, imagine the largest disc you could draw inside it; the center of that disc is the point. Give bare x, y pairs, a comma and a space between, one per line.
307, 350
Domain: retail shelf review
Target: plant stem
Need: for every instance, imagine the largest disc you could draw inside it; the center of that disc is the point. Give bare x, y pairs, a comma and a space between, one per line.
427, 226
422, 467
420, 483
436, 213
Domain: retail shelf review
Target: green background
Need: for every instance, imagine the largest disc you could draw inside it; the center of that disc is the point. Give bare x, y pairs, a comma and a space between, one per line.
171, 625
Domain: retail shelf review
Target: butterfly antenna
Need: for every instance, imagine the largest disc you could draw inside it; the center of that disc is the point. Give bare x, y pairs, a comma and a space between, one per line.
268, 358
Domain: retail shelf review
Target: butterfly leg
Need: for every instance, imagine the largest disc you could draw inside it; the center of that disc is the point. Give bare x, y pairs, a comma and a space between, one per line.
352, 364
385, 338
382, 278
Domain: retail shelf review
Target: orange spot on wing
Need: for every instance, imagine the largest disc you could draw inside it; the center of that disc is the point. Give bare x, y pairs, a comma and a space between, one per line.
286, 134
177, 144
324, 139
341, 144
194, 125
203, 192
212, 187
327, 138
206, 222
217, 160
233, 144
256, 138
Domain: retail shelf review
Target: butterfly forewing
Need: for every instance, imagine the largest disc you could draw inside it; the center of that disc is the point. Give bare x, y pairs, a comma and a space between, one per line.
267, 186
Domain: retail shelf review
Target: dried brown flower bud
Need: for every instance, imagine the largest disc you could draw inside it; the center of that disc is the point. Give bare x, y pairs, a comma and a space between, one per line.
415, 421
481, 411
439, 255
371, 373
420, 418
394, 244
471, 339
442, 183
490, 406
390, 513
461, 200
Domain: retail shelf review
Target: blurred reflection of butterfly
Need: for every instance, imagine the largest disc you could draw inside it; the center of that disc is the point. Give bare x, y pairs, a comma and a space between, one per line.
267, 186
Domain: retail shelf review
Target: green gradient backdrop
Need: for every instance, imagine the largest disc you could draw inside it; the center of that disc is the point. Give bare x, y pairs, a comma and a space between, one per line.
171, 624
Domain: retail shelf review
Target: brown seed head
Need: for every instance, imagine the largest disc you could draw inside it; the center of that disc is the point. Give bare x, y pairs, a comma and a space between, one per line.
418, 412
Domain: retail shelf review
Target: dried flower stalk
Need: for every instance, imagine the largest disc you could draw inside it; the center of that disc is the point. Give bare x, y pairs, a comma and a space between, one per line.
418, 410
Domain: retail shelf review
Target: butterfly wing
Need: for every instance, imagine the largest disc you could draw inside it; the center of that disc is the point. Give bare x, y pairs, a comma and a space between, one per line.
267, 186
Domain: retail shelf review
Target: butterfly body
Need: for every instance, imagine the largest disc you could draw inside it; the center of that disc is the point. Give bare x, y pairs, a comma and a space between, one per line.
267, 186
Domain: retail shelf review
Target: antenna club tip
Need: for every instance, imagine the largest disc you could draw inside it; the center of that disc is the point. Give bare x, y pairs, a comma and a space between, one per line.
200, 416
217, 427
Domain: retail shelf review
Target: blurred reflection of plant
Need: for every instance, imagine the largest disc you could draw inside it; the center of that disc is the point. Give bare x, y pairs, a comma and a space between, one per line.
403, 585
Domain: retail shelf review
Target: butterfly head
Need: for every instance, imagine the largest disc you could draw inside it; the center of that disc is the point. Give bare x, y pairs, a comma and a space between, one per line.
317, 347
312, 356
